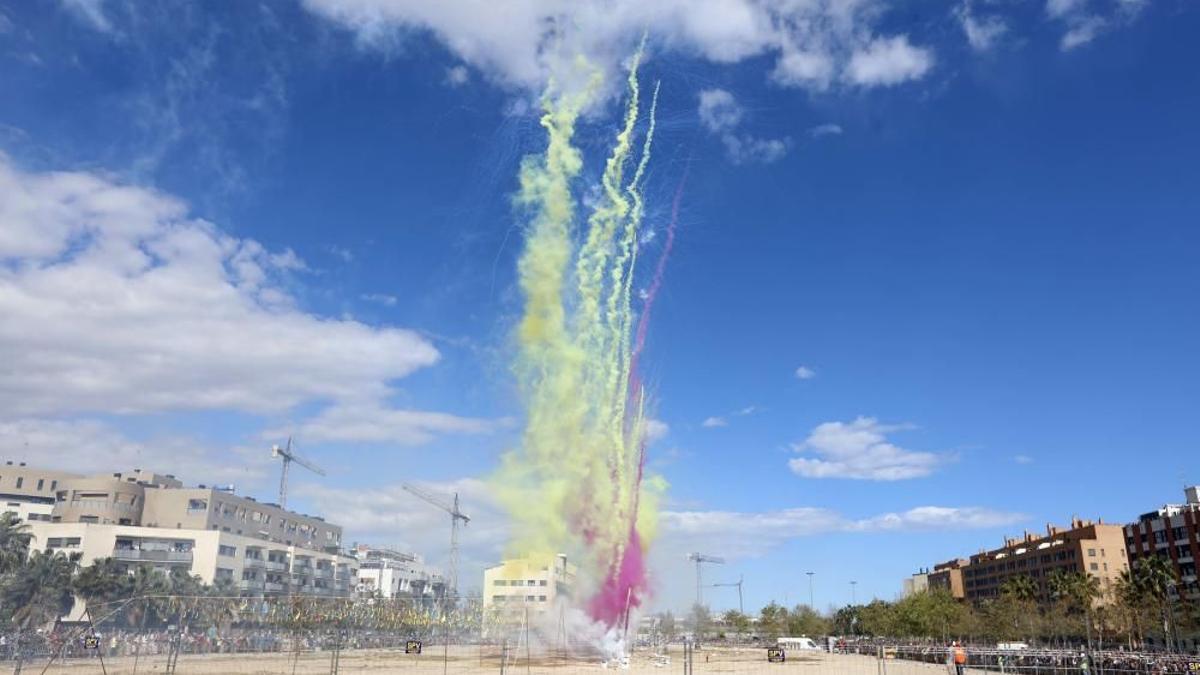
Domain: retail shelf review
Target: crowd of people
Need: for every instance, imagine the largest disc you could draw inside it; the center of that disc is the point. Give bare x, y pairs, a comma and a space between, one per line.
1027, 661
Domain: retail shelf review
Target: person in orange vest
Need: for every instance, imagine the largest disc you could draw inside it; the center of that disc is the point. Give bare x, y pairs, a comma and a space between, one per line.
959, 656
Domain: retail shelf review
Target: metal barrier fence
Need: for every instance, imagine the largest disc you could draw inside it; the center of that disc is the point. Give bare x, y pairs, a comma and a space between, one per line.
238, 636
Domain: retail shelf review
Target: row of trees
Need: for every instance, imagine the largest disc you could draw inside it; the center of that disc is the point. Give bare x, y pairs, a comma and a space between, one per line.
1071, 607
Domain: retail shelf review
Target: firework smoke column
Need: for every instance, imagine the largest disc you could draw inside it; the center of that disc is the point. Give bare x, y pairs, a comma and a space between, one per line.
577, 484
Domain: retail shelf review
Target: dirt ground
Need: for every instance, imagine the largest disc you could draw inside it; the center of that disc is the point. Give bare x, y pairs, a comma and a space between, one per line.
470, 660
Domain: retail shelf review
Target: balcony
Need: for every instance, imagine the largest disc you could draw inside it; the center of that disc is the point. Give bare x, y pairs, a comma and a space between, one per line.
325, 573
274, 588
251, 584
143, 555
255, 562
277, 566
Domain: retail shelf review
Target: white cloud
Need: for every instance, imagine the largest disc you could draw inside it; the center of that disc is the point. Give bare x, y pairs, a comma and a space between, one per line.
982, 33
656, 430
89, 446
887, 62
367, 421
748, 534
116, 301
860, 450
345, 254
1085, 21
712, 422
90, 12
380, 298
391, 516
719, 111
457, 76
721, 115
827, 129
1023, 459
520, 43
805, 373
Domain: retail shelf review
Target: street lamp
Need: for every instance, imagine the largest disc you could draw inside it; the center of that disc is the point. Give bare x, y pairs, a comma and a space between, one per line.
810, 591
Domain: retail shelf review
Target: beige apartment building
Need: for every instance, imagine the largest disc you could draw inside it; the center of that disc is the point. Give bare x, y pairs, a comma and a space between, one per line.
141, 518
527, 583
27, 492
1093, 548
948, 576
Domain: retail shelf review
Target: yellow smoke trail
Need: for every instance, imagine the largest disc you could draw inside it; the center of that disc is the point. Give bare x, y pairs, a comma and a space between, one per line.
576, 483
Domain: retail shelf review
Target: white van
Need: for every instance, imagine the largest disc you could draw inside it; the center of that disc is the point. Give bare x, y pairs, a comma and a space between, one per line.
802, 643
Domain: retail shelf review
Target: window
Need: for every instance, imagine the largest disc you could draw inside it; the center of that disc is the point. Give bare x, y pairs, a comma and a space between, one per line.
500, 582
1091, 553
542, 582
20, 480
223, 573
41, 482
541, 598
530, 598
497, 598
89, 519
227, 551
53, 485
197, 505
1093, 567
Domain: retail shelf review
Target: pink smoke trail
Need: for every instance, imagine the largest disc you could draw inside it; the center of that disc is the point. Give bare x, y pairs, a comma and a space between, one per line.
656, 283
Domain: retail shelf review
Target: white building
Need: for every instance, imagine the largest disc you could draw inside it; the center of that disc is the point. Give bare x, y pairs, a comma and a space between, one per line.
394, 574
142, 519
521, 583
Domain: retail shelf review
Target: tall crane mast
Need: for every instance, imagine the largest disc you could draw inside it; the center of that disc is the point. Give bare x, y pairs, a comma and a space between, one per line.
738, 583
456, 515
286, 455
700, 559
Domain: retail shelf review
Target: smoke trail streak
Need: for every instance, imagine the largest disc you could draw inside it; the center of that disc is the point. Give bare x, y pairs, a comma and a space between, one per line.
577, 485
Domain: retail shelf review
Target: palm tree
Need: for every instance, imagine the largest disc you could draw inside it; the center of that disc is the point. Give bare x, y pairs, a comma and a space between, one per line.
102, 582
40, 591
1084, 589
1155, 576
1021, 587
14, 542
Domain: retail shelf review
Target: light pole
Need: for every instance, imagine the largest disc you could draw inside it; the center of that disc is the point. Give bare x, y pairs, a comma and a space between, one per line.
853, 593
810, 590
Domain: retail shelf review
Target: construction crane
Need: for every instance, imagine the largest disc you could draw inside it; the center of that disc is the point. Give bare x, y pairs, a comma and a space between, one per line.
287, 456
455, 515
741, 608
700, 559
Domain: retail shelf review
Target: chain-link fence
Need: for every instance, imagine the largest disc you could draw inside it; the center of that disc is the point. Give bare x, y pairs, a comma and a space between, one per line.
309, 636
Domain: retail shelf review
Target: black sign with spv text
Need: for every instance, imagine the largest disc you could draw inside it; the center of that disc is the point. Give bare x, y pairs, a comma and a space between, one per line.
776, 655
91, 642
412, 647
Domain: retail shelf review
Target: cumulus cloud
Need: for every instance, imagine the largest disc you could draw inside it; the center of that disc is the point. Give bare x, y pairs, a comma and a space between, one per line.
982, 33
457, 76
656, 430
748, 534
1085, 21
91, 12
389, 515
90, 446
520, 43
828, 129
712, 422
380, 298
721, 115
859, 450
887, 62
370, 421
805, 373
116, 301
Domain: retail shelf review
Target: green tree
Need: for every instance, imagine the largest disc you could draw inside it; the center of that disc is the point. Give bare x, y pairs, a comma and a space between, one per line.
736, 621
102, 581
14, 542
700, 621
40, 591
772, 620
804, 620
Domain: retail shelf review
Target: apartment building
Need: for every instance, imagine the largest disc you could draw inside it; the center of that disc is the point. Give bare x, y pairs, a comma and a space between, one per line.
395, 574
1093, 548
142, 518
28, 492
1172, 532
948, 577
917, 583
527, 583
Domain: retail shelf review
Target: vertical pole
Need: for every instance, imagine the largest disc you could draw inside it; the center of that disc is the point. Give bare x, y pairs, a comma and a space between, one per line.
810, 591
99, 648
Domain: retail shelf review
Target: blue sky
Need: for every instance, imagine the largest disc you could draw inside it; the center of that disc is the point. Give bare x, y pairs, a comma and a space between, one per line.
973, 224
